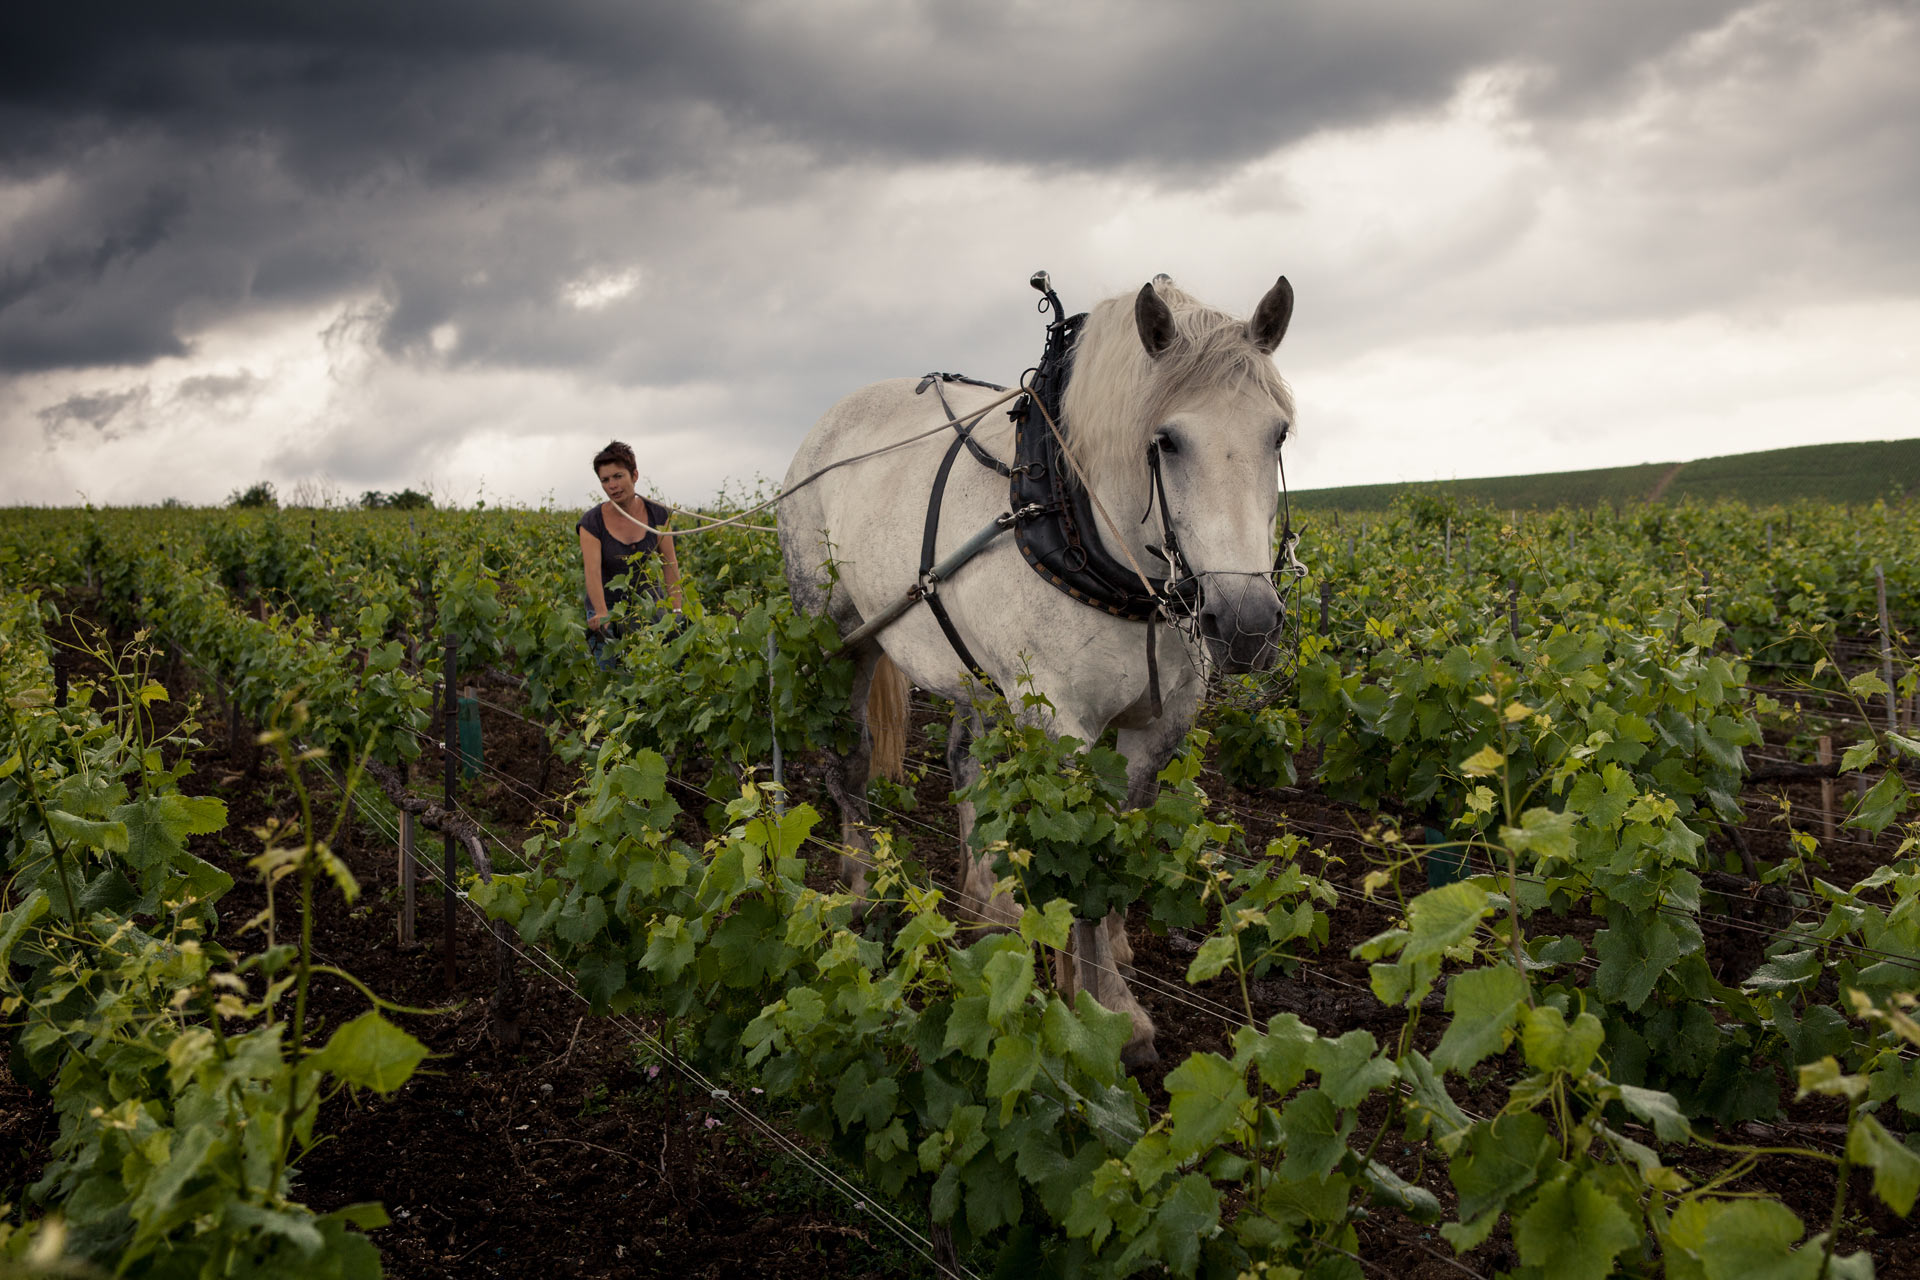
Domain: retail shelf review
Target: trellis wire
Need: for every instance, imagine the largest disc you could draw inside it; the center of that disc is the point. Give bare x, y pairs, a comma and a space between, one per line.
554, 971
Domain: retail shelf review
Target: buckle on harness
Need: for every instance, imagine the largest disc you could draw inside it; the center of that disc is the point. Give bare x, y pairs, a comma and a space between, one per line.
1008, 519
1181, 597
1287, 562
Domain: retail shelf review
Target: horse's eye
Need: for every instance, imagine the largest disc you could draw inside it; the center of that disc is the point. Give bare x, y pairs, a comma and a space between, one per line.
1168, 442
1286, 428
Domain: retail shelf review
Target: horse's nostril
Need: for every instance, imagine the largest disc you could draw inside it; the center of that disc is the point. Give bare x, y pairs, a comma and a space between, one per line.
1210, 625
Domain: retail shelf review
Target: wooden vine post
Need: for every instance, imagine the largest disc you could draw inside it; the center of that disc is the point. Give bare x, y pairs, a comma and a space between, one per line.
509, 999
409, 878
1886, 648
450, 771
1825, 756
773, 729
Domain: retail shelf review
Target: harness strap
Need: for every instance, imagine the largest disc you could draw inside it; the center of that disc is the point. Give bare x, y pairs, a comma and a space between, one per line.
957, 377
1180, 592
1153, 664
929, 587
980, 455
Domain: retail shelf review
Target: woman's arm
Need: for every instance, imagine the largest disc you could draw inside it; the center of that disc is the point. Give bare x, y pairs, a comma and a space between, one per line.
590, 565
670, 568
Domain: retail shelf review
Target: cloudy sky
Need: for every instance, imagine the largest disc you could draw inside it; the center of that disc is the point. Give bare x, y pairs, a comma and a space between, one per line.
459, 244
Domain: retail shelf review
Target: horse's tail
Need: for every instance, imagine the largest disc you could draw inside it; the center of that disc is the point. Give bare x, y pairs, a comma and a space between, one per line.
887, 721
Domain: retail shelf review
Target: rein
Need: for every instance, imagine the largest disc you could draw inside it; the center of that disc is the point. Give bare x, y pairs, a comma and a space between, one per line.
971, 419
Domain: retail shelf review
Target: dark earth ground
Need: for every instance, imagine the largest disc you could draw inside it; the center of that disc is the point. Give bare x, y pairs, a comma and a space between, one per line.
577, 1153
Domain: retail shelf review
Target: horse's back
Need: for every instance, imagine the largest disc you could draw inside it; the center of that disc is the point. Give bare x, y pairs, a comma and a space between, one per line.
852, 540
868, 416
866, 516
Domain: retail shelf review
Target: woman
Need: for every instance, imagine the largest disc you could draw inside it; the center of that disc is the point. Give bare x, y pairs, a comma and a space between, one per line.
617, 537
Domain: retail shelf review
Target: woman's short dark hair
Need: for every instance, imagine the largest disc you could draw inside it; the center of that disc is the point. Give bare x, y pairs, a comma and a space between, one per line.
616, 452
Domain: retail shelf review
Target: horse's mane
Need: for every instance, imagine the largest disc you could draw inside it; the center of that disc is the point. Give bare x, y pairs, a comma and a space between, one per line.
1118, 394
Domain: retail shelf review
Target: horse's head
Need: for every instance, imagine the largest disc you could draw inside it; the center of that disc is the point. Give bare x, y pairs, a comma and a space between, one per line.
1191, 394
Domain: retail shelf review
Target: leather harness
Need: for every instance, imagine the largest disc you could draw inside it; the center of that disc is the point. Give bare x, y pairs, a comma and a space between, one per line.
928, 585
1052, 514
1050, 511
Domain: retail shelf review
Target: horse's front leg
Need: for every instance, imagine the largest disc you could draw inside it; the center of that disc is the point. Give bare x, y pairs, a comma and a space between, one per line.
1102, 958
1091, 964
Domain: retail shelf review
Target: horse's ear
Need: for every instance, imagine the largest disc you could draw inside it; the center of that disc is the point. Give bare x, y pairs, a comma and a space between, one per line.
1155, 320
1269, 323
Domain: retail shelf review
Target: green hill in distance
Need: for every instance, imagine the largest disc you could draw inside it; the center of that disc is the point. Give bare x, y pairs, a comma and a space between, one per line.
1817, 472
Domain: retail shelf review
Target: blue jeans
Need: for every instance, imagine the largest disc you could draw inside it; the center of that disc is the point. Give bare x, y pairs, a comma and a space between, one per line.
601, 643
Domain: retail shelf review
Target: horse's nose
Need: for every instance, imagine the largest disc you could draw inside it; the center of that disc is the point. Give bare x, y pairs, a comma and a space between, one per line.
1241, 622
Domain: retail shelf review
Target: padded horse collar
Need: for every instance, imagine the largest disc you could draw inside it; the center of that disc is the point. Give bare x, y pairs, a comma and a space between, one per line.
1053, 515
1062, 542
1051, 512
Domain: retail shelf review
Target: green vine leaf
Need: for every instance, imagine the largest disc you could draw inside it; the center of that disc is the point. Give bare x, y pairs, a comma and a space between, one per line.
1485, 1004
1896, 1169
370, 1053
1206, 1095
1573, 1230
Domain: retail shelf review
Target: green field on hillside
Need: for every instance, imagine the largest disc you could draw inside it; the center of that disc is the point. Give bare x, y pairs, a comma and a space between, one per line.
1822, 472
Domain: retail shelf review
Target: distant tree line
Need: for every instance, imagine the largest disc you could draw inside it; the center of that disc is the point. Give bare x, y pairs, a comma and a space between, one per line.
405, 500
261, 494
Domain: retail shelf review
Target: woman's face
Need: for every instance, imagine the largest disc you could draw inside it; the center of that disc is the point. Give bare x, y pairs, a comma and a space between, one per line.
617, 481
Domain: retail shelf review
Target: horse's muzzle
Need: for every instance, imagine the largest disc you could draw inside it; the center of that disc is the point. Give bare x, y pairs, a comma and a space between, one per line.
1240, 619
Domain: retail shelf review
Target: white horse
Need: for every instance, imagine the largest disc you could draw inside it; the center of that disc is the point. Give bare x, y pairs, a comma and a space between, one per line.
1156, 368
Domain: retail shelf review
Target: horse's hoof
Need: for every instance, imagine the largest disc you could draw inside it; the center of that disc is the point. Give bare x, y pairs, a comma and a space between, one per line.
1139, 1057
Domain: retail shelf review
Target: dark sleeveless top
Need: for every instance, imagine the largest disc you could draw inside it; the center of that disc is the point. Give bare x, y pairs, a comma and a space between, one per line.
617, 557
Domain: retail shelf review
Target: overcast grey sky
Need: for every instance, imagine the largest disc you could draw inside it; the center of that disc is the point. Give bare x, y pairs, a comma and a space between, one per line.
463, 243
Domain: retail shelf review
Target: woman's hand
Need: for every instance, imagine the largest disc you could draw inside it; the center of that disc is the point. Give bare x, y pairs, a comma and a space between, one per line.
597, 622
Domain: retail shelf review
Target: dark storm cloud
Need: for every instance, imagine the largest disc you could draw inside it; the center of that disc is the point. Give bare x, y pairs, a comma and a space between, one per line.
464, 87
99, 410
223, 156
45, 316
216, 387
